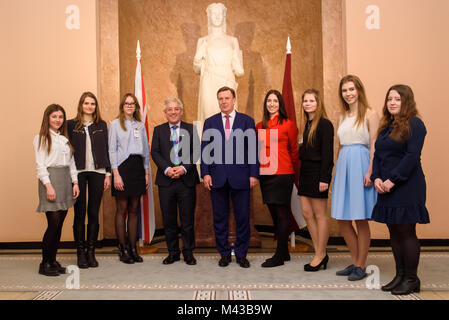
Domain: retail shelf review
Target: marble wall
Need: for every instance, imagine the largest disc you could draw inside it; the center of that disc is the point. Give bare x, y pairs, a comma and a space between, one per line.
168, 32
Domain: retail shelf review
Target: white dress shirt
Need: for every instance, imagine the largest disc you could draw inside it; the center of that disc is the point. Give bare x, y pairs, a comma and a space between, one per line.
59, 156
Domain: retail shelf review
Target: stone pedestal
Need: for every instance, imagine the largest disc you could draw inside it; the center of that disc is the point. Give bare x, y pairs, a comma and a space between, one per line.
204, 221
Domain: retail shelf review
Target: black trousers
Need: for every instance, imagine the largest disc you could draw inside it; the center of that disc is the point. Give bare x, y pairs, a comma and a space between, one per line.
171, 198
91, 184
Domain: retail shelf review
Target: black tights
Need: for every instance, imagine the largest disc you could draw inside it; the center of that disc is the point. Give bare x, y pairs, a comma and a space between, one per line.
126, 204
281, 220
405, 246
52, 235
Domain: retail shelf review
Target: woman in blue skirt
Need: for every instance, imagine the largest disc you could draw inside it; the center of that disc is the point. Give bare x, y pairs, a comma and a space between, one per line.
353, 194
399, 179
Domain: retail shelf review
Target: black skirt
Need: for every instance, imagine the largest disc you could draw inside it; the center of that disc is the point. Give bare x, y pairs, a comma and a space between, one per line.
133, 176
277, 189
309, 180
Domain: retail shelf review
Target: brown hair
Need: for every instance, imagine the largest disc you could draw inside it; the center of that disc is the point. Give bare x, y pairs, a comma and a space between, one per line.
44, 133
282, 111
121, 115
320, 113
400, 122
79, 116
362, 101
226, 89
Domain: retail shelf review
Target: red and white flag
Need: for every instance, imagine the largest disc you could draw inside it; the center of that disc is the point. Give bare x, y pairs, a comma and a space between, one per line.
146, 216
287, 94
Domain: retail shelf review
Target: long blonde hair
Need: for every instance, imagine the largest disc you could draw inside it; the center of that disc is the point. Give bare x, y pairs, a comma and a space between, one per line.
121, 116
320, 113
362, 101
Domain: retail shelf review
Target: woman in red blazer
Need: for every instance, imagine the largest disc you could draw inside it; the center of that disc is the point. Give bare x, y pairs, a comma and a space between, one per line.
278, 160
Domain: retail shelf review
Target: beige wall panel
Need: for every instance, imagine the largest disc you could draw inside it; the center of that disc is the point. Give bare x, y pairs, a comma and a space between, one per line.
333, 69
109, 84
42, 62
168, 32
410, 47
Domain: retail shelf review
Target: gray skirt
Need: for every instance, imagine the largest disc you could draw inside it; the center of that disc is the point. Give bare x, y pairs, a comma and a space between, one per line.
62, 183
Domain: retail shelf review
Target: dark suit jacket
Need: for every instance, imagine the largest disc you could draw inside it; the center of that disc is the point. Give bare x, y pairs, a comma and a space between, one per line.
161, 146
238, 172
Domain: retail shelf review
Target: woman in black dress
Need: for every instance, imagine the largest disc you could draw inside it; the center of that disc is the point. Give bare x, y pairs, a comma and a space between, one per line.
316, 155
400, 182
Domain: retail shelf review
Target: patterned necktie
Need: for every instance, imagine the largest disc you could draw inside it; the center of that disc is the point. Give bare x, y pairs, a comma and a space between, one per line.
175, 139
227, 127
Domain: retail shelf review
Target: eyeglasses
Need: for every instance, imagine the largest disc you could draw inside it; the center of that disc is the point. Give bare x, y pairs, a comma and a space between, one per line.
127, 104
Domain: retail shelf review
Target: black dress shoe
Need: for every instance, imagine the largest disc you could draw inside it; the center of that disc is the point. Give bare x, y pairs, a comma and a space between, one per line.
190, 259
309, 268
393, 283
224, 261
243, 262
170, 259
48, 270
408, 285
57, 265
274, 261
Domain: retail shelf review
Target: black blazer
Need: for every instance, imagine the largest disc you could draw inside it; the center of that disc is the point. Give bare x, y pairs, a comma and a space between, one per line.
323, 149
98, 133
161, 146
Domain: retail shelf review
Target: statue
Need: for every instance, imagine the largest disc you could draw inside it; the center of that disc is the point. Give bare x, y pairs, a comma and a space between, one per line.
218, 59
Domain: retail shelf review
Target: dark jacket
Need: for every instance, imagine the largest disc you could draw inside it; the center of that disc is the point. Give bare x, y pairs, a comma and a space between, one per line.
236, 173
161, 146
98, 133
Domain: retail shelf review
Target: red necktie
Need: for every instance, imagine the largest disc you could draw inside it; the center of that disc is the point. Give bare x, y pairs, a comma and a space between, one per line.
227, 127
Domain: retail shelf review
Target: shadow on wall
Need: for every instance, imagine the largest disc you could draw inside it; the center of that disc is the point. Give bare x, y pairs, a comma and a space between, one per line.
182, 75
254, 69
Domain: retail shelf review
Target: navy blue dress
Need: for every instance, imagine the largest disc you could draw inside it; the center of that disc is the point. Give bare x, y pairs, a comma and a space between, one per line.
401, 163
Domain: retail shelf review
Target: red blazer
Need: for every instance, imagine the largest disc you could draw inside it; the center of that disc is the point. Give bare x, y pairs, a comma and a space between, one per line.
286, 144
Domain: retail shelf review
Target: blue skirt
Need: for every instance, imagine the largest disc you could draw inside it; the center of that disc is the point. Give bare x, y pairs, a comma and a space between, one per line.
350, 199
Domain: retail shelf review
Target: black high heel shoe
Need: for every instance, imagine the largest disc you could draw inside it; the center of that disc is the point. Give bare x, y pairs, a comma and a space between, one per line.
309, 268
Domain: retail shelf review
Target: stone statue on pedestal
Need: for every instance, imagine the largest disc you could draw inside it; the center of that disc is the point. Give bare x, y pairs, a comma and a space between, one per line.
218, 59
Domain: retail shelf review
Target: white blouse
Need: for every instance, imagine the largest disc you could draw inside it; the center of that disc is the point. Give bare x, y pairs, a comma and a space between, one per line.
348, 134
59, 156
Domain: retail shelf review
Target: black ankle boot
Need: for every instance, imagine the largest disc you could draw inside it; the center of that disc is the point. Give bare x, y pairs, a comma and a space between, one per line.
393, 283
91, 261
134, 255
124, 255
78, 235
92, 234
409, 284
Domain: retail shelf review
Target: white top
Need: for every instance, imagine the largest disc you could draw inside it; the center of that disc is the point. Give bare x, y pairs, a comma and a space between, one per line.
59, 156
90, 165
348, 134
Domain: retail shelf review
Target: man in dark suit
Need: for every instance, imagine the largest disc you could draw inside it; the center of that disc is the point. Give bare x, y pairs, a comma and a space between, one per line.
172, 149
229, 168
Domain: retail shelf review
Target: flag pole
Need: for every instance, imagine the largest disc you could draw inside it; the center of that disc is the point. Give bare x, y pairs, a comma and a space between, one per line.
146, 214
297, 219
292, 235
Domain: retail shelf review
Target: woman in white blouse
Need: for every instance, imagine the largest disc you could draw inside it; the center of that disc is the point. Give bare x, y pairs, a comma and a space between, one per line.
58, 182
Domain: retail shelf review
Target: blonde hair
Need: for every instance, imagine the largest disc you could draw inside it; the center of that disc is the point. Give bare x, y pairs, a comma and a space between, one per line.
320, 113
362, 101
